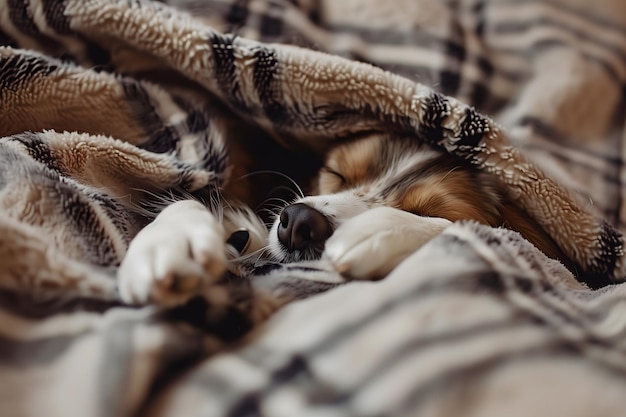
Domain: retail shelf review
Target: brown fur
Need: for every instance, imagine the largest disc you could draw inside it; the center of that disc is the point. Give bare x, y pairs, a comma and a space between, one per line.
446, 189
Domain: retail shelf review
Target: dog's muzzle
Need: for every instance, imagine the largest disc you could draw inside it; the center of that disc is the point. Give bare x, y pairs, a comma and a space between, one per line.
302, 227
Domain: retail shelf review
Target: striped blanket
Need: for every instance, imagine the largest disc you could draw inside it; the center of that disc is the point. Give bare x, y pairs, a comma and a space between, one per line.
110, 108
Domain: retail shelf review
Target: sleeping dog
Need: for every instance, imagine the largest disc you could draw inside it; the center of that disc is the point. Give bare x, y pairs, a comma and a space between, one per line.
353, 219
376, 200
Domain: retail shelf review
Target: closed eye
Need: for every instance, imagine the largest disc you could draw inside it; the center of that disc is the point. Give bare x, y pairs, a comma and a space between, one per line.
335, 174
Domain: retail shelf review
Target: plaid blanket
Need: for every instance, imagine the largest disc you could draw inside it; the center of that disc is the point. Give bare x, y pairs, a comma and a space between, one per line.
477, 322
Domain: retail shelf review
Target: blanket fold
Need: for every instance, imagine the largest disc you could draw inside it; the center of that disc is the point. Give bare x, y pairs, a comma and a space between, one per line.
312, 98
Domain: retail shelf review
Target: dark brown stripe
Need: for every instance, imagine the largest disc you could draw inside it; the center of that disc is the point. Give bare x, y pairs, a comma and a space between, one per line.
268, 89
430, 128
161, 138
474, 126
54, 11
20, 17
225, 70
23, 20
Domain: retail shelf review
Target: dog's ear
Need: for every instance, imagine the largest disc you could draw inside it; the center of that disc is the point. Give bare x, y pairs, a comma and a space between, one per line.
454, 193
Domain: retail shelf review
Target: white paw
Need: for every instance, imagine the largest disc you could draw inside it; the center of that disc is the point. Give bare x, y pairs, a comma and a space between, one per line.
173, 258
373, 243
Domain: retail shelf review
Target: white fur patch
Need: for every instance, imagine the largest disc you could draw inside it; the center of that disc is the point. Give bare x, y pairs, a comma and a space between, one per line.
373, 243
174, 257
337, 208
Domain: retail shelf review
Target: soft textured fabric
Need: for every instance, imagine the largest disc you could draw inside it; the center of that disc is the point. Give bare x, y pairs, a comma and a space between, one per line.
475, 323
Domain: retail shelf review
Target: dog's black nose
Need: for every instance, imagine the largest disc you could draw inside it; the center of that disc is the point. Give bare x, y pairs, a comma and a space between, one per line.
302, 226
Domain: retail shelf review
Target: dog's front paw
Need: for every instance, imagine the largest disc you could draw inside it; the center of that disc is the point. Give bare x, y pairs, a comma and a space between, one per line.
173, 258
373, 243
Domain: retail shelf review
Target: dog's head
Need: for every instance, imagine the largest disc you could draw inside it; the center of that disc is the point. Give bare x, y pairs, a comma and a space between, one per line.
382, 171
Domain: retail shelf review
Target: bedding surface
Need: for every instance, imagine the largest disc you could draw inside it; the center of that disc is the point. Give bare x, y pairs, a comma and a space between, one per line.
110, 109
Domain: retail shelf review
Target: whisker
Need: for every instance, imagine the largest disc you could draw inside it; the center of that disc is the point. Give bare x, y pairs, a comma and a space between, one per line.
262, 254
258, 254
447, 173
265, 206
280, 204
272, 212
279, 188
280, 174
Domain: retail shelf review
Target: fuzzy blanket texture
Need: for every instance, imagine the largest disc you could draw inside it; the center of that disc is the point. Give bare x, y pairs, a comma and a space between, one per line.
107, 107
